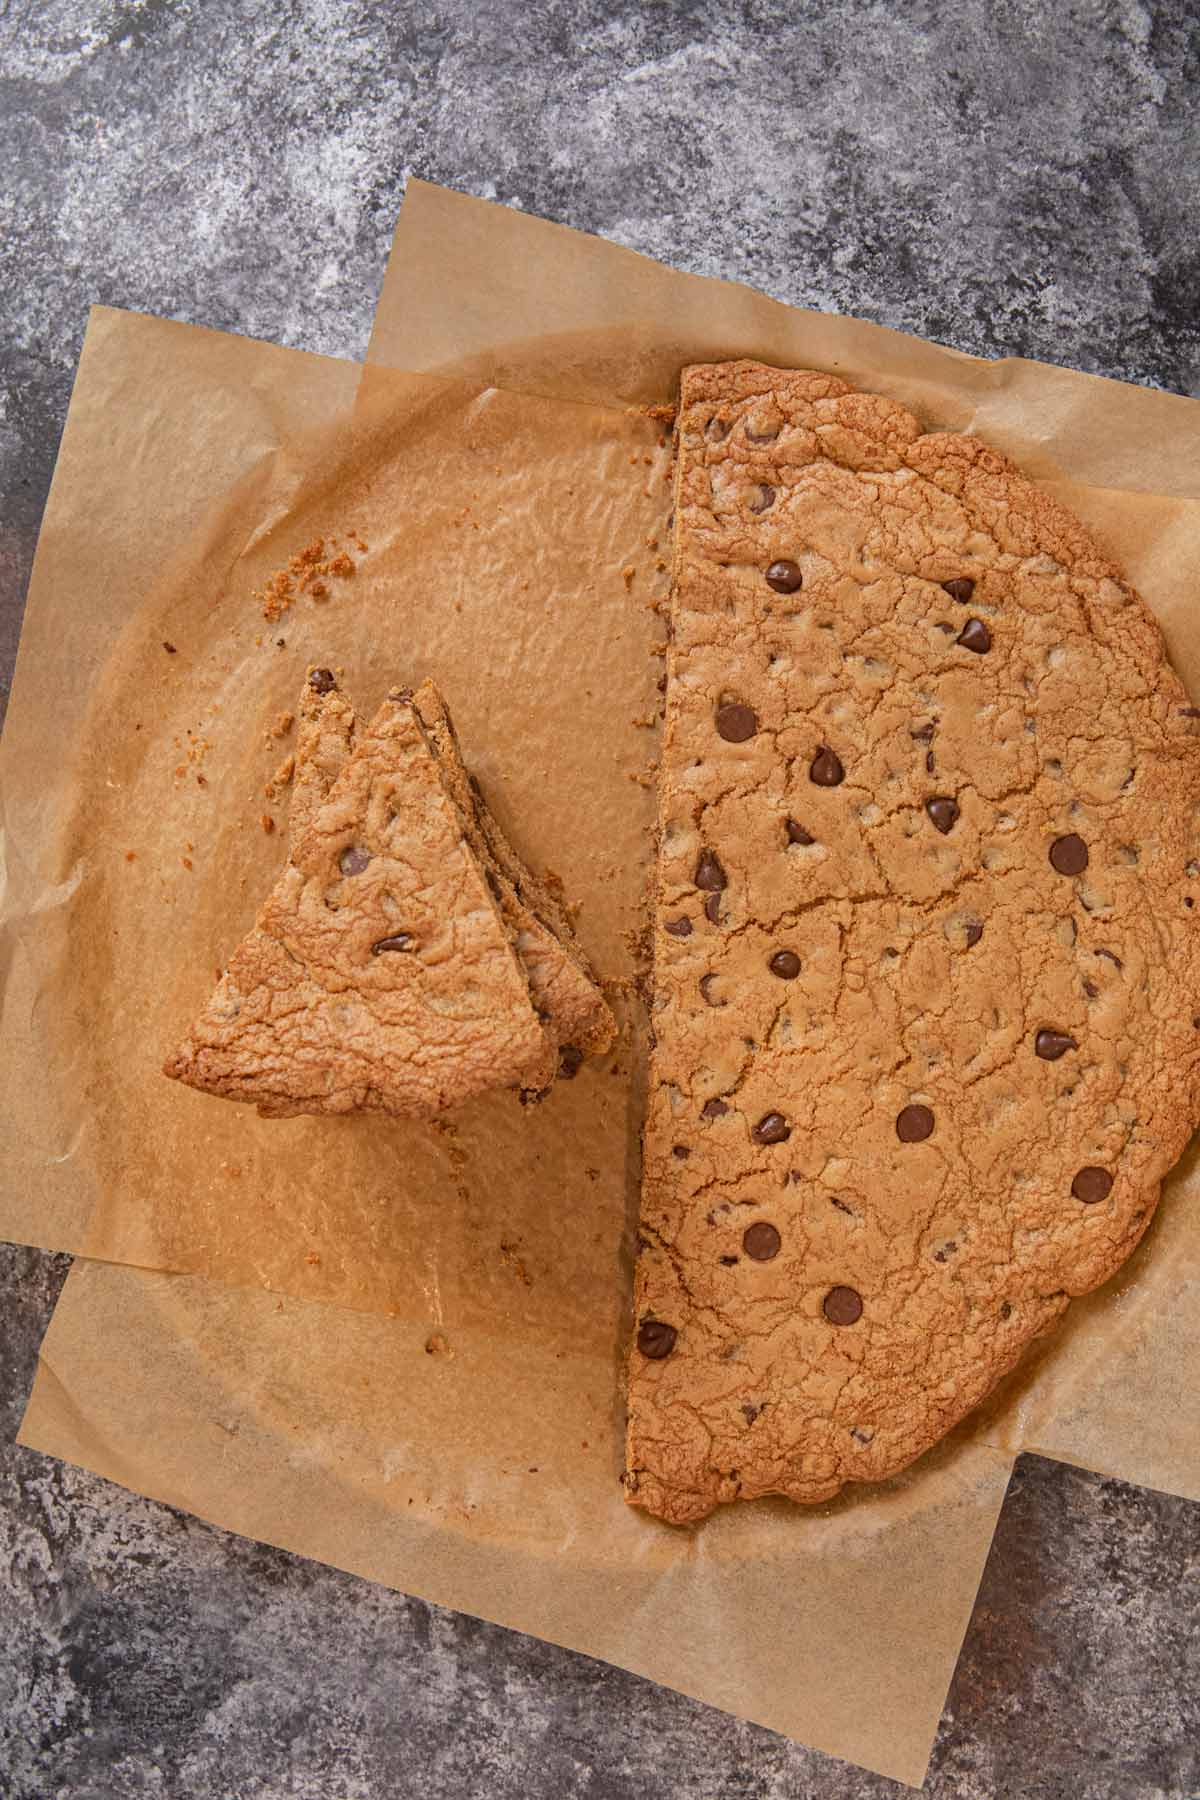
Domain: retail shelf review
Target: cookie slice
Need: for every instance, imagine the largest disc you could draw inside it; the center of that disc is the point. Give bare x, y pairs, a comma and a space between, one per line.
380, 975
927, 981
561, 983
560, 980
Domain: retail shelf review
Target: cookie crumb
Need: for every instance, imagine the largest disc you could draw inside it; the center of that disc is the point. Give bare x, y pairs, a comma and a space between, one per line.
438, 1344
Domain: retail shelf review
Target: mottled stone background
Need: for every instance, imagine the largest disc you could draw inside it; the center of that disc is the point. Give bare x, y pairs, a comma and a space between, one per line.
1005, 175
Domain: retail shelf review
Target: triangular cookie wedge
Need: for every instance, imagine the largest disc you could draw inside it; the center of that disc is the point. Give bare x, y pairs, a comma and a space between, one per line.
561, 984
380, 975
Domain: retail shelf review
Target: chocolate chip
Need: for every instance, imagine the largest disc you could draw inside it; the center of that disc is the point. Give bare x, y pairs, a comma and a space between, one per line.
718, 428
322, 681
1189, 712
930, 765
796, 834
750, 1412
947, 1250
680, 927
570, 1061
1050, 1045
713, 1109
784, 576
1069, 855
729, 1262
761, 1241
960, 589
766, 497
914, 1124
826, 769
736, 723
169, 648
656, 1338
772, 1128
974, 932
353, 861
712, 909
682, 1151
706, 982
709, 874
1115, 960
402, 940
1092, 1185
785, 964
842, 1306
943, 811
975, 636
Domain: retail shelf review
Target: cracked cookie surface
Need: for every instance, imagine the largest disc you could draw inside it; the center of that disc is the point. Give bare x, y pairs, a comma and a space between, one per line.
927, 998
380, 975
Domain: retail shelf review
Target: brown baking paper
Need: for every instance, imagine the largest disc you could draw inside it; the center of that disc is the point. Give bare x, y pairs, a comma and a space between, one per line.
483, 1473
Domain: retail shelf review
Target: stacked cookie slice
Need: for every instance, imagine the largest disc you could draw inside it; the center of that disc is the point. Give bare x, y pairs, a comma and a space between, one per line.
405, 960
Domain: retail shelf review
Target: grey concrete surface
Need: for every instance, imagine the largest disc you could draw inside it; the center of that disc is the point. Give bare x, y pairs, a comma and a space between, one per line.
1006, 176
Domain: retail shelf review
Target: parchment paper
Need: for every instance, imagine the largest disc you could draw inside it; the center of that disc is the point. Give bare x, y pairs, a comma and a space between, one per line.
316, 1427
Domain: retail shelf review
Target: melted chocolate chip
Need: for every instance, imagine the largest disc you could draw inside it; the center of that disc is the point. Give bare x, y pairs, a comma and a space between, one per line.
766, 497
680, 927
709, 876
842, 1306
761, 1241
1069, 855
706, 982
682, 1151
796, 834
656, 1338
712, 909
785, 964
736, 723
960, 589
353, 861
772, 1128
975, 636
974, 932
1050, 1044
322, 681
914, 1124
1091, 1185
402, 940
826, 769
713, 1109
750, 1412
784, 576
1115, 960
570, 1061
943, 811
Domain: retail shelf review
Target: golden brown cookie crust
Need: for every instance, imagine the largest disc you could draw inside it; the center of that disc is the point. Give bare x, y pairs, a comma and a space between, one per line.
380, 975
918, 1072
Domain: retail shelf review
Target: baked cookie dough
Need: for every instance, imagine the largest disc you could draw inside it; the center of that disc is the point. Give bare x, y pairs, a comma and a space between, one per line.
927, 994
381, 975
